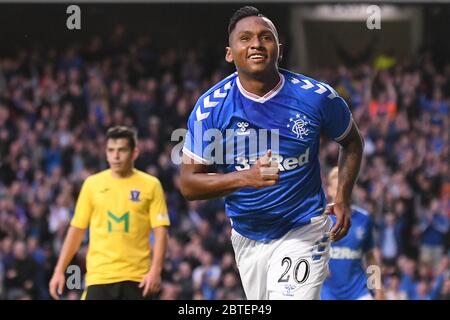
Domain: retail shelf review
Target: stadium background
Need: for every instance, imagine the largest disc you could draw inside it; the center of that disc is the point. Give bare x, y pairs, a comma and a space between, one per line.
146, 64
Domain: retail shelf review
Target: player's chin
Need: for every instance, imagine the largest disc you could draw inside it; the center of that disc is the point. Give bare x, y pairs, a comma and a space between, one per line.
257, 70
117, 169
261, 68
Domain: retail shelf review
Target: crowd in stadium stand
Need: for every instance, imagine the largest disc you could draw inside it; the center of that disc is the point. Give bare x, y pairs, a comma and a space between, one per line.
56, 105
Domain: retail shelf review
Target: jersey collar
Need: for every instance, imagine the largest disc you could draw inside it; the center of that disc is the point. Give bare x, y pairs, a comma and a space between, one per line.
269, 95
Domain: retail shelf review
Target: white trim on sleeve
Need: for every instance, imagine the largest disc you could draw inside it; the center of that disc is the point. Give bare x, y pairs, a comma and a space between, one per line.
342, 136
195, 157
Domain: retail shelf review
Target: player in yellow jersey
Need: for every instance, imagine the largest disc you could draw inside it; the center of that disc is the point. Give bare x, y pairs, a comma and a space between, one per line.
121, 206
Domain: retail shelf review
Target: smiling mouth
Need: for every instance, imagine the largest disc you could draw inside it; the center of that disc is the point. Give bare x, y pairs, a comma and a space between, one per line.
257, 57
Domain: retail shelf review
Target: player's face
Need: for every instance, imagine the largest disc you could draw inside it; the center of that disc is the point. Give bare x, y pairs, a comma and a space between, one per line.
120, 156
254, 46
332, 188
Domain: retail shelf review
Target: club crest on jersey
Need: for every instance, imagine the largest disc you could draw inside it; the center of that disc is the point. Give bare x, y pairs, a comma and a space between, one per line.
243, 127
298, 126
135, 195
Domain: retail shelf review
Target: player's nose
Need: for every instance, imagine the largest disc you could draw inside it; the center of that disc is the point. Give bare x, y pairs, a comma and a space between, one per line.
255, 43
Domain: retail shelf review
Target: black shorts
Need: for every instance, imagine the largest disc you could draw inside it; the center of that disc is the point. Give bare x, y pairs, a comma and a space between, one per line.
126, 290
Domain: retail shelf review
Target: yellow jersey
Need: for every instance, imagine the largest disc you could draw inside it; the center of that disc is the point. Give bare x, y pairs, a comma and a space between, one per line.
120, 214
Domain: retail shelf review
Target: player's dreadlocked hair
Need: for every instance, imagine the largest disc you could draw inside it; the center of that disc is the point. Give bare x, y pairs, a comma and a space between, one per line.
244, 12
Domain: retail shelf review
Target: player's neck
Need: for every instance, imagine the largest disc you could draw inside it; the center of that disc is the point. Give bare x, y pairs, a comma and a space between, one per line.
122, 175
259, 86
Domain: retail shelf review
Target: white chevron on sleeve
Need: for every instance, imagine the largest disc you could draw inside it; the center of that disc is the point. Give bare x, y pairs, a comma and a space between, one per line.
209, 104
333, 93
332, 96
218, 94
321, 89
295, 81
308, 84
200, 115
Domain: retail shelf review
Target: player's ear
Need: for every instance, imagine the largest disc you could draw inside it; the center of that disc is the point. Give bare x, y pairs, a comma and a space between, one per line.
228, 55
280, 52
135, 154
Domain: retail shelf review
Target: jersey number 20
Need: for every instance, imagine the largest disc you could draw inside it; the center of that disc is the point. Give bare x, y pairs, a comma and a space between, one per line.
285, 277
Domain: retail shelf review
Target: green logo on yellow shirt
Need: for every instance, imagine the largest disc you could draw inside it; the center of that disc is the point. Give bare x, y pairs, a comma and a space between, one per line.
125, 218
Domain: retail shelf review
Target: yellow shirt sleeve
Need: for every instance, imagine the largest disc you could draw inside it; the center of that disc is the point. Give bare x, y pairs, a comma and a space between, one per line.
83, 209
158, 208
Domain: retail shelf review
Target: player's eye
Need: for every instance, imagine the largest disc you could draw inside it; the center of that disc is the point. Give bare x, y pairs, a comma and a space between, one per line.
245, 38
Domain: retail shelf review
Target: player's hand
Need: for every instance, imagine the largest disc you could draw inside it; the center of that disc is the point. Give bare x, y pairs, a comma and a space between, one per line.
151, 283
343, 223
56, 285
263, 173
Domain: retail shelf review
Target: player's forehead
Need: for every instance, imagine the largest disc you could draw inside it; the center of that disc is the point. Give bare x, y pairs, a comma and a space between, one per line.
112, 143
255, 24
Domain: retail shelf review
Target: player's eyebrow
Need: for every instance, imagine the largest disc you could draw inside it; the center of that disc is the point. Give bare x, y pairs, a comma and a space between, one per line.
260, 32
117, 148
270, 32
242, 32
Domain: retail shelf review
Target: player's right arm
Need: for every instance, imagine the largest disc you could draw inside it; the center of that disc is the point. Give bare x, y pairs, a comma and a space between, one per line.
74, 237
196, 183
70, 247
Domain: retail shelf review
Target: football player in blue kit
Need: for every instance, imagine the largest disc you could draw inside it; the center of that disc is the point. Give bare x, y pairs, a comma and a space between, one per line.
273, 193
351, 256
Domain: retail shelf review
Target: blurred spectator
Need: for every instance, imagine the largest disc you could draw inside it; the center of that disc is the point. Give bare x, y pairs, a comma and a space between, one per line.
385, 60
20, 274
383, 106
170, 291
37, 255
389, 237
425, 291
206, 277
393, 291
433, 228
445, 293
59, 215
231, 289
407, 267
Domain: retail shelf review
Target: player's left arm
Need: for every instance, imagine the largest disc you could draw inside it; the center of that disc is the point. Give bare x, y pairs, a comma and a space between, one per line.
349, 163
152, 280
373, 260
160, 222
338, 124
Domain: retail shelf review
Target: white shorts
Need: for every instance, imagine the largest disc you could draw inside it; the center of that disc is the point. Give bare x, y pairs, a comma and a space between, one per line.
293, 267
